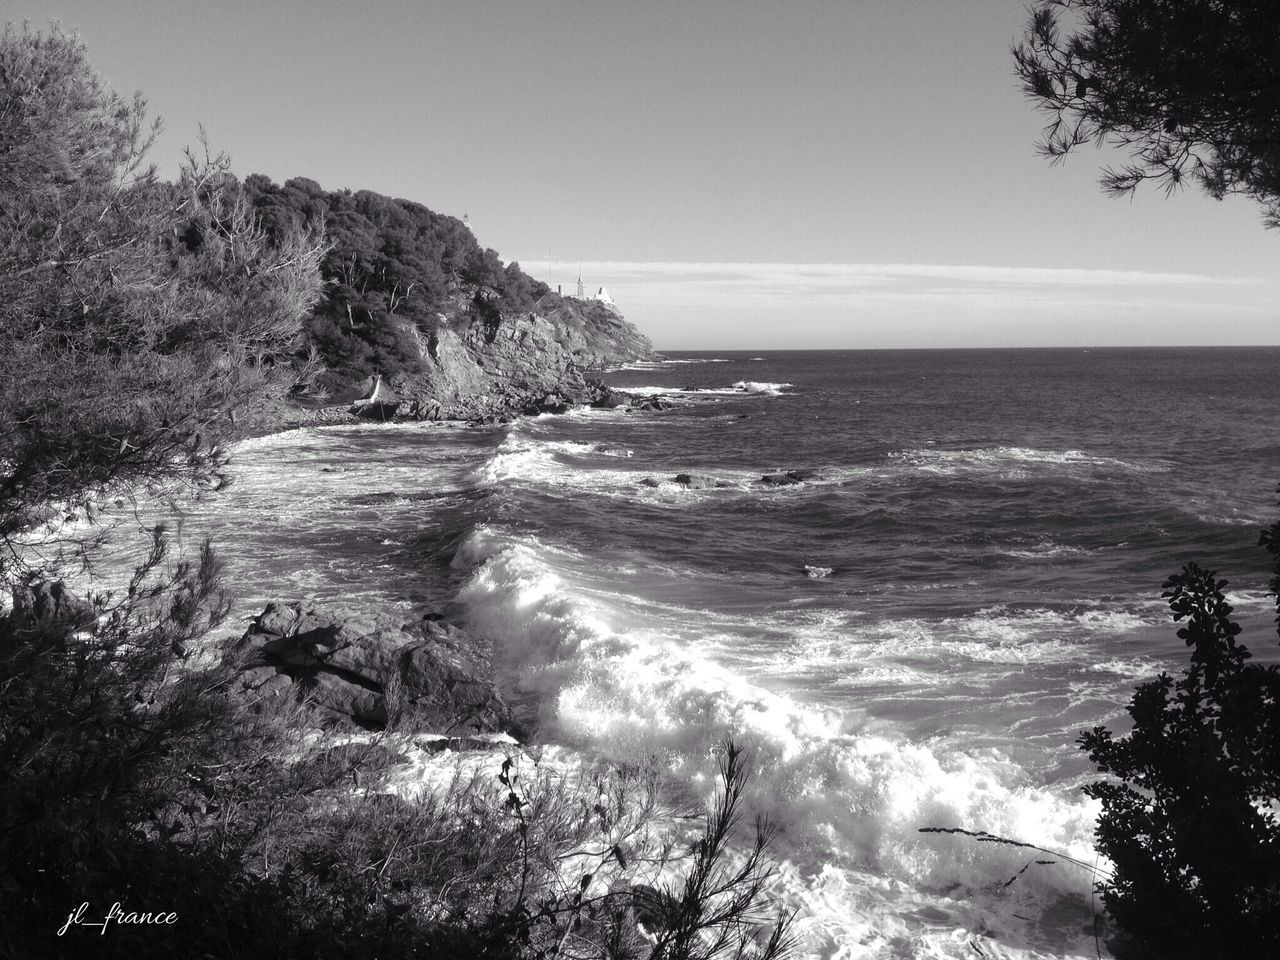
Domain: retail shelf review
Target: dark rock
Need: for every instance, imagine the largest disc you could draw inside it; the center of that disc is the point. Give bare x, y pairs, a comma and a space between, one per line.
649, 482
695, 482
49, 603
779, 479
353, 664
551, 403
802, 474
611, 400
656, 402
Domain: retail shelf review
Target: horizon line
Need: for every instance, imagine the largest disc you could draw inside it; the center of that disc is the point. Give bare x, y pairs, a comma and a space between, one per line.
1079, 349
777, 270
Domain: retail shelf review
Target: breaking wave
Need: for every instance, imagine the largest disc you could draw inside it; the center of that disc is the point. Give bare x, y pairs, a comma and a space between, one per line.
1014, 460
850, 799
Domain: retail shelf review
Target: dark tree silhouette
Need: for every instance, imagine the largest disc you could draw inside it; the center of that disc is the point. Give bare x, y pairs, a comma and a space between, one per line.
1191, 818
1190, 88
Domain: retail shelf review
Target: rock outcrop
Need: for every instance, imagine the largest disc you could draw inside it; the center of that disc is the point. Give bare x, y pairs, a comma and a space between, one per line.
697, 482
369, 667
790, 478
476, 366
49, 604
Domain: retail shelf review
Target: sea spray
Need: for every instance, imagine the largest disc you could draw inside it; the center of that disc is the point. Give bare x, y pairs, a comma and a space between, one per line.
849, 802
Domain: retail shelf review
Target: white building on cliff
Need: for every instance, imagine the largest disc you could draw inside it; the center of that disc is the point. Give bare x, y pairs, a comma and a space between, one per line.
601, 295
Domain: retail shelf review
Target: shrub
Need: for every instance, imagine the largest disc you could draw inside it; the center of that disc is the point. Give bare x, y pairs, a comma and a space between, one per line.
1191, 815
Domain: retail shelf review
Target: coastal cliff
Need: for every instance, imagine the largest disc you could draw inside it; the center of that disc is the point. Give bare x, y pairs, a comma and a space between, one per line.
476, 365
417, 320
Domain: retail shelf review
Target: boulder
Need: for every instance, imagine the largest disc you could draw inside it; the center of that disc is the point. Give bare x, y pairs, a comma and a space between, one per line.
696, 482
656, 402
551, 403
48, 603
611, 400
650, 482
788, 478
365, 666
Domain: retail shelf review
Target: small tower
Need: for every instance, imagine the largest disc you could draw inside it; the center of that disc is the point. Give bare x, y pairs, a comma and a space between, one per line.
580, 296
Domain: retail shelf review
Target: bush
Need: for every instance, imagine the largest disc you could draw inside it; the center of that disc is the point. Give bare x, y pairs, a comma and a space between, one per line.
1191, 815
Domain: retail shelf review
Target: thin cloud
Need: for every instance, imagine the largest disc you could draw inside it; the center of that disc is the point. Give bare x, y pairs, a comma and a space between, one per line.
861, 273
720, 305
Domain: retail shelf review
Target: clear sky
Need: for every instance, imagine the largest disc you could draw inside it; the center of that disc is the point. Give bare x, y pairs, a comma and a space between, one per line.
808, 173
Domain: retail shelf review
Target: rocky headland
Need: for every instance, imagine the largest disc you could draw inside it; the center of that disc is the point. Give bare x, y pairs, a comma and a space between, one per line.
476, 367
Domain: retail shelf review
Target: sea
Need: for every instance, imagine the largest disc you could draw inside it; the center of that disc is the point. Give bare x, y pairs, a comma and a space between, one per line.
912, 637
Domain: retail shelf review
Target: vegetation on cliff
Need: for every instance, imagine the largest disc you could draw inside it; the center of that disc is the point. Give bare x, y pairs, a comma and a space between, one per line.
145, 322
392, 268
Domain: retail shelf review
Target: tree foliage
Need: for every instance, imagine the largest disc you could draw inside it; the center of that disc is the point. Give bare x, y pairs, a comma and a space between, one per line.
143, 322
1191, 816
140, 318
392, 267
1190, 88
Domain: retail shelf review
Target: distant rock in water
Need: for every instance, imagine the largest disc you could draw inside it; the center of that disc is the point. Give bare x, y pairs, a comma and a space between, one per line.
656, 402
790, 478
366, 667
695, 482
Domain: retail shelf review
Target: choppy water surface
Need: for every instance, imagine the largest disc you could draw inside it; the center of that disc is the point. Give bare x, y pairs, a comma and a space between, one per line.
914, 637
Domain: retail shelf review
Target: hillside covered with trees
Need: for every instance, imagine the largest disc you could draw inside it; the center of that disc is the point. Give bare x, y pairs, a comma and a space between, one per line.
146, 323
393, 268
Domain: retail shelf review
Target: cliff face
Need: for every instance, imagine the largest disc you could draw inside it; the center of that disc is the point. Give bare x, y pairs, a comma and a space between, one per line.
477, 365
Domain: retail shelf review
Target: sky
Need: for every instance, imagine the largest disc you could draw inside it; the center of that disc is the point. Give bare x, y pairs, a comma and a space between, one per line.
748, 174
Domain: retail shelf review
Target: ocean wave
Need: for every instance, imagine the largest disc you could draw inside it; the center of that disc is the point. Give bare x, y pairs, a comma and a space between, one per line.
1045, 551
594, 469
762, 387
522, 457
661, 364
1014, 460
837, 643
849, 801
738, 389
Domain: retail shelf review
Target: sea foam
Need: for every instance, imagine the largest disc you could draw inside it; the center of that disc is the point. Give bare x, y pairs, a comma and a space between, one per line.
850, 801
